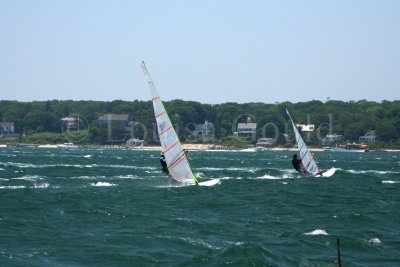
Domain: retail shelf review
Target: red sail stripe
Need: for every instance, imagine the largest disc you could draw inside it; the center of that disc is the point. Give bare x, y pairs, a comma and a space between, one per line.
169, 128
184, 176
157, 97
176, 164
162, 113
174, 144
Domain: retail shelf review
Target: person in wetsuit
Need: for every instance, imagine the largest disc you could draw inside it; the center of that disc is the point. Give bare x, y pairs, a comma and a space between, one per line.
163, 163
296, 163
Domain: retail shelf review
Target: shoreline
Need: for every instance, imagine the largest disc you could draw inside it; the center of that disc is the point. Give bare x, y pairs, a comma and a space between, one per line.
199, 147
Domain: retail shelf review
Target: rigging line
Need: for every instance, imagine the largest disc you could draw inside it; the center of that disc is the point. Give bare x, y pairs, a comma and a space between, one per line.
177, 159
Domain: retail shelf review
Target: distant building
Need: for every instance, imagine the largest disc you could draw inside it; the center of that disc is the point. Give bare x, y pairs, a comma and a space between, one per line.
265, 142
123, 119
332, 139
205, 130
133, 142
247, 129
368, 137
306, 127
6, 129
71, 122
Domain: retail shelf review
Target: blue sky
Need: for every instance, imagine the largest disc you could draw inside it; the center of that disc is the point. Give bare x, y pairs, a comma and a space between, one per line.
208, 51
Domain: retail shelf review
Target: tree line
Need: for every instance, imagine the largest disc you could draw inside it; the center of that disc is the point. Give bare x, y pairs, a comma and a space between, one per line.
350, 119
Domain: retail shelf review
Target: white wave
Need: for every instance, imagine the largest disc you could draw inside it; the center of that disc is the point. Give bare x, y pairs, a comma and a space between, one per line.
235, 243
370, 171
4, 179
12, 187
226, 178
88, 177
102, 184
87, 156
212, 169
129, 167
390, 182
374, 241
267, 176
33, 166
44, 185
317, 232
198, 242
1, 169
28, 178
252, 170
129, 176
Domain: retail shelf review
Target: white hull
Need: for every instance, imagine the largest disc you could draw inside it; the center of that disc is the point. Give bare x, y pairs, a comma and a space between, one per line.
329, 172
210, 182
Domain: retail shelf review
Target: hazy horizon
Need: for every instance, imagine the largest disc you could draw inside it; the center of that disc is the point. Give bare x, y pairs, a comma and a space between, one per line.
210, 51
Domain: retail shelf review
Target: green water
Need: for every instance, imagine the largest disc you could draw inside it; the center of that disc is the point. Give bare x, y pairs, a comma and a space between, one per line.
62, 207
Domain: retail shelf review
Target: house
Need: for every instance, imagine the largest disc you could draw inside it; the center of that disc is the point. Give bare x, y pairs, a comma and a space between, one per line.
123, 119
71, 122
332, 139
368, 137
306, 127
265, 142
6, 129
205, 130
134, 142
246, 129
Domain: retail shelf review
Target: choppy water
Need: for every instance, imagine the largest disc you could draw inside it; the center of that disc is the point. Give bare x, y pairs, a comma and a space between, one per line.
115, 208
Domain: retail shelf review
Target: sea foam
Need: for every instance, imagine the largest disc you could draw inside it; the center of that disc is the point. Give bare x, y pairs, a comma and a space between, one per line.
102, 184
374, 241
317, 232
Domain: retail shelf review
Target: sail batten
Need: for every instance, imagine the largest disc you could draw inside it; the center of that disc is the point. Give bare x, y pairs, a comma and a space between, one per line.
175, 157
309, 165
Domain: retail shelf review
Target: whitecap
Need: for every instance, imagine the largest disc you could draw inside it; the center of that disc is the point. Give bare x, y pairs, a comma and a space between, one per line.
44, 185
87, 156
390, 182
198, 242
87, 177
28, 178
212, 169
102, 184
267, 176
374, 241
1, 169
371, 171
129, 176
317, 232
12, 187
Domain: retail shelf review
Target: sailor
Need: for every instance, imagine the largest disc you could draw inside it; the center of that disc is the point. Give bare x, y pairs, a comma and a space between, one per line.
296, 163
163, 163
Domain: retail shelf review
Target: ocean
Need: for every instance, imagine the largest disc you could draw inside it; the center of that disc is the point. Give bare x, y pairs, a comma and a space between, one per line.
114, 207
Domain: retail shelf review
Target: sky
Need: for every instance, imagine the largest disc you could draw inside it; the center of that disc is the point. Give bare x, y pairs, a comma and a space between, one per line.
210, 51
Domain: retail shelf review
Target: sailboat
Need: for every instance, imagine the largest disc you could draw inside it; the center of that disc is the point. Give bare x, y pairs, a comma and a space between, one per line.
309, 166
178, 165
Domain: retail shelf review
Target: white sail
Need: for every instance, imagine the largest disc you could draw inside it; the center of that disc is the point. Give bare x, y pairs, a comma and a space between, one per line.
309, 166
177, 162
